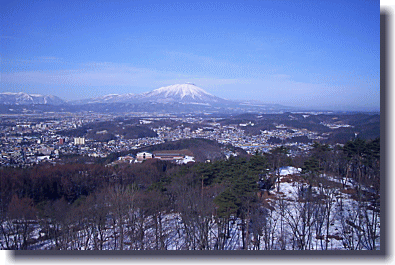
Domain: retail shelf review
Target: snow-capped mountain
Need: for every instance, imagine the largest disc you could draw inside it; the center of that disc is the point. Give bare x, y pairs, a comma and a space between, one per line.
186, 93
22, 98
181, 93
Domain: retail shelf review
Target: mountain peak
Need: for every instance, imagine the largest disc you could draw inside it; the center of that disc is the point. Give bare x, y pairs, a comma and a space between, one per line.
186, 93
181, 91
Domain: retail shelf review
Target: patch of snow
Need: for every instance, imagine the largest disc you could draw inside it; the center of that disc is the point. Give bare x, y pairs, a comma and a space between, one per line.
187, 159
289, 170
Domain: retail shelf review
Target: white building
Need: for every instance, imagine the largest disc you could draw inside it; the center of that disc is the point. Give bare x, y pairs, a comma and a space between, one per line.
79, 140
143, 156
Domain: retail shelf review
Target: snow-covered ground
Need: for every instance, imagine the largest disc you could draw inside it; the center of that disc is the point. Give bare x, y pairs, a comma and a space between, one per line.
186, 160
290, 222
289, 170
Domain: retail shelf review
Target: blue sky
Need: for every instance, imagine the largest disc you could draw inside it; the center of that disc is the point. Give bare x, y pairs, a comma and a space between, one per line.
322, 54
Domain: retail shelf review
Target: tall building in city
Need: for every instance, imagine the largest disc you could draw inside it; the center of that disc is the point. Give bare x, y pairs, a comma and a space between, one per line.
79, 140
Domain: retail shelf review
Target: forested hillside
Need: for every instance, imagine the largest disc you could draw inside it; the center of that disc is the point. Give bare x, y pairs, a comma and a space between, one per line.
329, 199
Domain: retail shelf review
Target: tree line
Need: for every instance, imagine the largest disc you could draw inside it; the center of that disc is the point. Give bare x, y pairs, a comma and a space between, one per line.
79, 206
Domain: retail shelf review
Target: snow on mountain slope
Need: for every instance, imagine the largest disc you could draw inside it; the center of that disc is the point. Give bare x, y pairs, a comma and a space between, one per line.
182, 93
22, 98
180, 90
113, 98
187, 93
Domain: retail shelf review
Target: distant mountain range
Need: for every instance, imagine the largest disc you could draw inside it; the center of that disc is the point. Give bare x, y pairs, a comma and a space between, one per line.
181, 93
21, 98
179, 98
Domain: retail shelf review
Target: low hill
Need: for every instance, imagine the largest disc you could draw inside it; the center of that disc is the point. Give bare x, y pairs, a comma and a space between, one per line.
202, 149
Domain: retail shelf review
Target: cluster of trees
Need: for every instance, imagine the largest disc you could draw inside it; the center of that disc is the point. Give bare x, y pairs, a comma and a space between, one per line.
357, 162
128, 206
